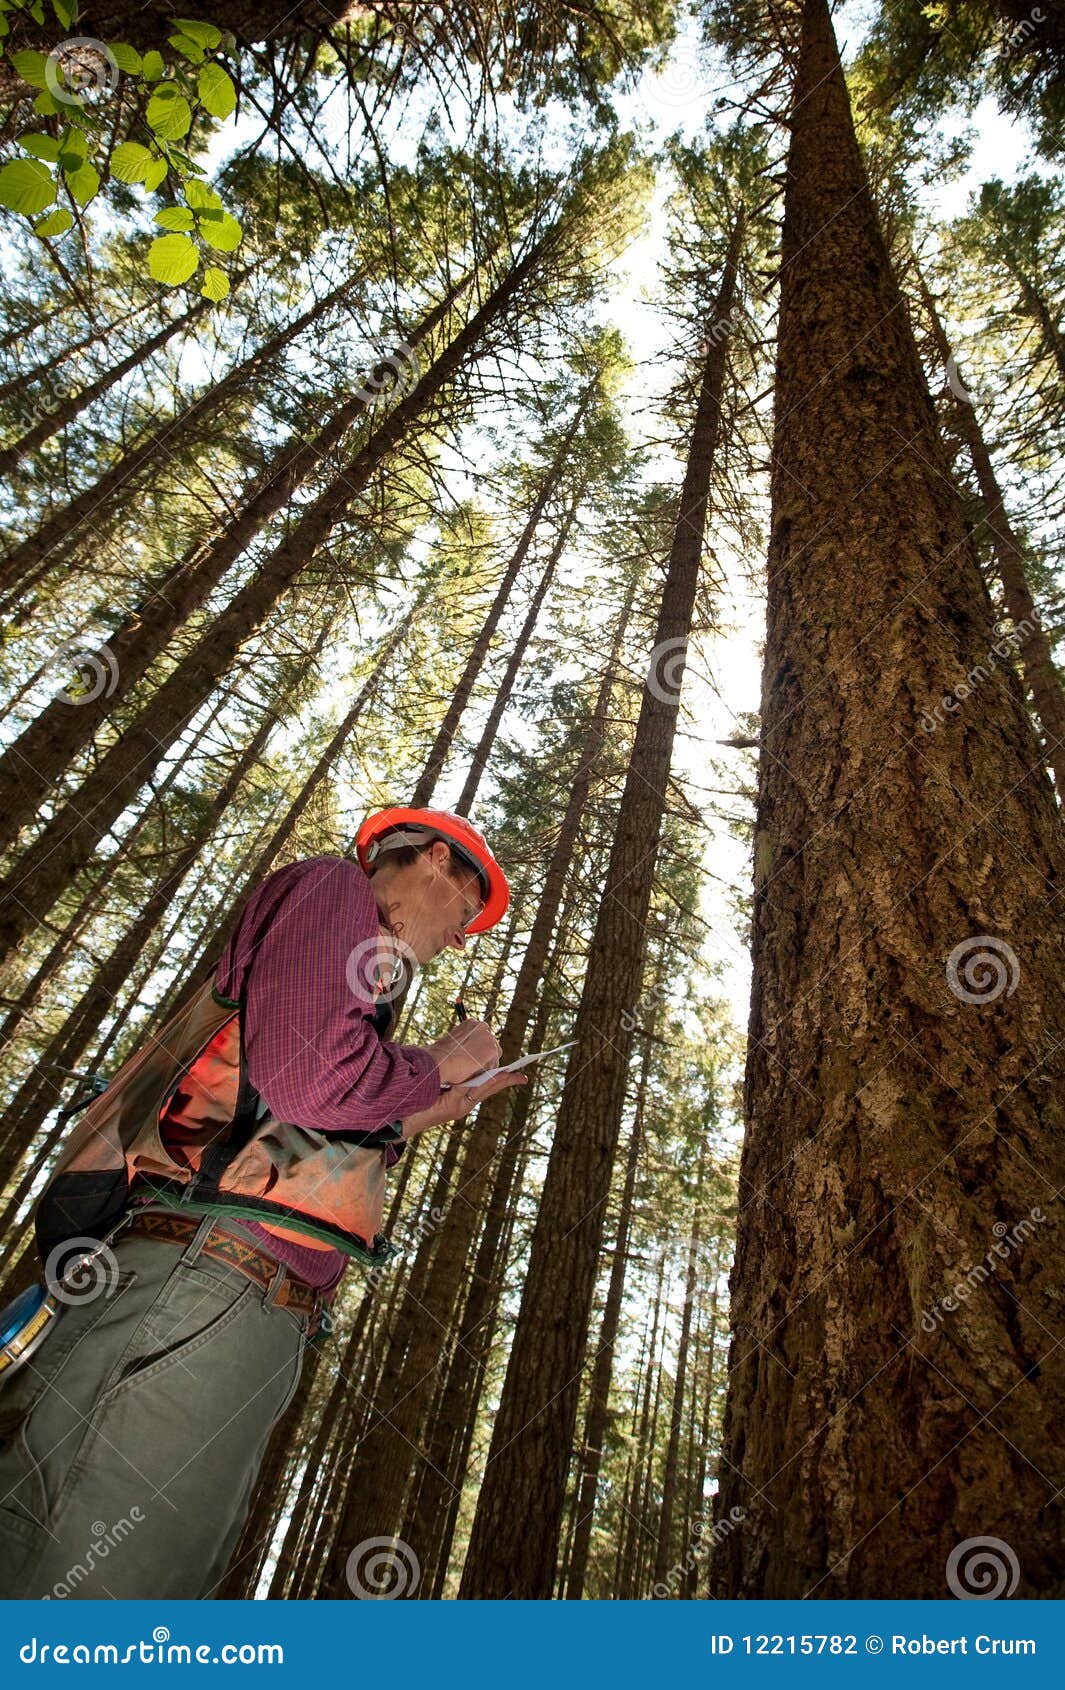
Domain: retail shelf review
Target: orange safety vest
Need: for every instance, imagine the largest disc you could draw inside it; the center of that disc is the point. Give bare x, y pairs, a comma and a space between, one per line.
181, 1119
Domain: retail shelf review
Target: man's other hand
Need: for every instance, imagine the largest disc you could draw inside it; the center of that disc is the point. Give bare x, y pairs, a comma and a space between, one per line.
455, 1105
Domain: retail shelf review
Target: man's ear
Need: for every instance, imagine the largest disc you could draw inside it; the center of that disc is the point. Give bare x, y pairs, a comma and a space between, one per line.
440, 853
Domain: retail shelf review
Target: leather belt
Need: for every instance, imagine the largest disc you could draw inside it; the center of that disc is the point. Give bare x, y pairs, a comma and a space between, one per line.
294, 1294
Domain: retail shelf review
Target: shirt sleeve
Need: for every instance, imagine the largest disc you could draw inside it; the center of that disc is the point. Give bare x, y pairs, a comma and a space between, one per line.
312, 1050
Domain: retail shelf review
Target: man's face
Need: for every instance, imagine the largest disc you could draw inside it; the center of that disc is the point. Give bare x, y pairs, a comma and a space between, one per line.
431, 902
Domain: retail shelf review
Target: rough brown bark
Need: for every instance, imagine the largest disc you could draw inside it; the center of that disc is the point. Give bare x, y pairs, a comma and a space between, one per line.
515, 1532
894, 1126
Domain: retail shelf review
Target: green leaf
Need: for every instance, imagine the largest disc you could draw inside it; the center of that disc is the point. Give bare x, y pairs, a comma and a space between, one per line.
30, 65
73, 149
152, 66
55, 223
130, 161
27, 185
41, 146
177, 217
65, 12
200, 196
223, 232
83, 182
169, 114
187, 48
127, 58
172, 259
215, 283
155, 174
204, 34
216, 90
44, 105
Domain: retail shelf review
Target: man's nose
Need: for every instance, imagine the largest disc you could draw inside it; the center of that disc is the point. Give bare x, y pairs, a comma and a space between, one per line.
458, 939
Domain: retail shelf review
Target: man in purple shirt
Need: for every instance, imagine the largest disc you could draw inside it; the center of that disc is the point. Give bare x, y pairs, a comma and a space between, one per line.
315, 1054
158, 1422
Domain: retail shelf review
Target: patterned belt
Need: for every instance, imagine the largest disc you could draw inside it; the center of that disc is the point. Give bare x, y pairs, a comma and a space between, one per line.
294, 1294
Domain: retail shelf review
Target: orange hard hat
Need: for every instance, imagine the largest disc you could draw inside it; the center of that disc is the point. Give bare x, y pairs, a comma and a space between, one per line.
467, 841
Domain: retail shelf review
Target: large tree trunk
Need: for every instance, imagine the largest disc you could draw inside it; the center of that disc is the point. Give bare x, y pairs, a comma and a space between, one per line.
590, 1454
515, 1531
48, 745
904, 1088
71, 837
670, 1476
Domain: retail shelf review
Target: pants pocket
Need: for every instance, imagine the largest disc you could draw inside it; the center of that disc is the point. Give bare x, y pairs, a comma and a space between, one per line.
193, 1309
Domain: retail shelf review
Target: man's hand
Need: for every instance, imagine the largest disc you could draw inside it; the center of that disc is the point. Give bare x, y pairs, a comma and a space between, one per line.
465, 1051
455, 1105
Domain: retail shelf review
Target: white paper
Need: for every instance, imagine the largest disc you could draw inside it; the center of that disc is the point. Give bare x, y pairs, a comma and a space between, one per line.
514, 1067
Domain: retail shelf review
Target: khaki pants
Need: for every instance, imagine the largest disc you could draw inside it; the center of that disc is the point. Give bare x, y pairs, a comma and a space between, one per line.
131, 1439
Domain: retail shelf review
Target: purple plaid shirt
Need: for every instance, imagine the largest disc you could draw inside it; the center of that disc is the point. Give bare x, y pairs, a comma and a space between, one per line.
312, 1049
